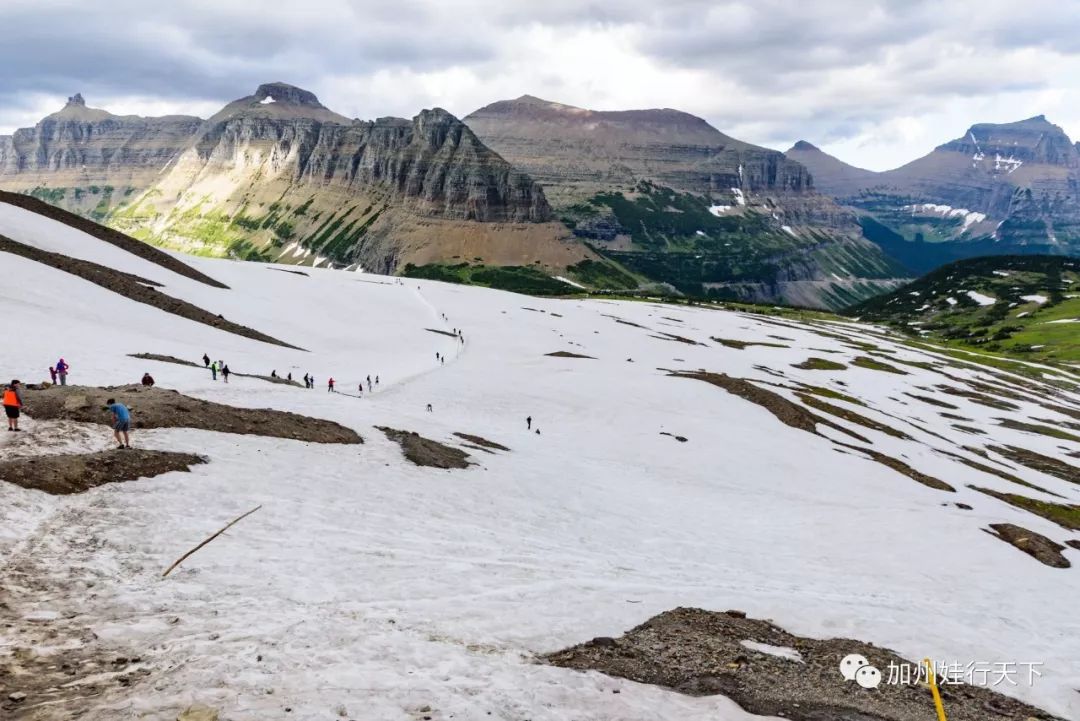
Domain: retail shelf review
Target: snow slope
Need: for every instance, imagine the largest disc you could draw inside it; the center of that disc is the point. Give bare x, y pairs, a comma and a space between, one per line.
369, 586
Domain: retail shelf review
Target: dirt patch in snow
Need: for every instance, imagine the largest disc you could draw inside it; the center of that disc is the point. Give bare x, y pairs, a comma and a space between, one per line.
980, 398
931, 401
426, 452
787, 412
675, 338
851, 416
568, 354
108, 235
441, 332
743, 344
819, 364
180, 361
900, 467
135, 289
77, 472
1066, 516
294, 272
1039, 547
481, 441
1039, 462
159, 408
703, 653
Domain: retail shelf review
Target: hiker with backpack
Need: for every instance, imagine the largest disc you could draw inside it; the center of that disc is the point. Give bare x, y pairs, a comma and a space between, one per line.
225, 373
213, 370
330, 386
206, 360
13, 404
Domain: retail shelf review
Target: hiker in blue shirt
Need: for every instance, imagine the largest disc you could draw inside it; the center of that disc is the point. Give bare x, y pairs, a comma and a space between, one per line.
121, 417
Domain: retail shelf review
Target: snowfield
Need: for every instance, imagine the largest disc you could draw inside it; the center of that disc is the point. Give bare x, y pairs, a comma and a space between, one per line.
367, 587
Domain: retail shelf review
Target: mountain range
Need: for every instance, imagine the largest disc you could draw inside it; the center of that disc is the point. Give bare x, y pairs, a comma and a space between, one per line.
646, 199
998, 189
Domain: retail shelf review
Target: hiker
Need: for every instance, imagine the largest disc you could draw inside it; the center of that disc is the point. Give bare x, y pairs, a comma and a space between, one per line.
307, 381
62, 371
436, 355
225, 373
13, 404
147, 380
442, 360
213, 371
273, 374
376, 380
360, 388
52, 374
429, 408
537, 431
121, 417
290, 376
330, 386
206, 360
528, 423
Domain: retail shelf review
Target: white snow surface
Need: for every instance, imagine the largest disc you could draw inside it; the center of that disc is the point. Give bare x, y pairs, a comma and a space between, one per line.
267, 100
368, 583
980, 298
568, 281
1040, 299
740, 199
970, 217
779, 651
719, 210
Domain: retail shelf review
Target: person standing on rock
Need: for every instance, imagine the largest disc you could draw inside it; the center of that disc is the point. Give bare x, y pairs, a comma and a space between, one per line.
52, 374
13, 404
121, 418
225, 373
213, 371
62, 369
206, 360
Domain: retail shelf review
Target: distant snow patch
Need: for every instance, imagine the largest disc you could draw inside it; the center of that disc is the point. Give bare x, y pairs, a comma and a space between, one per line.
1040, 299
1002, 273
951, 301
970, 217
699, 232
787, 229
267, 100
570, 282
740, 199
785, 652
980, 298
719, 210
1065, 320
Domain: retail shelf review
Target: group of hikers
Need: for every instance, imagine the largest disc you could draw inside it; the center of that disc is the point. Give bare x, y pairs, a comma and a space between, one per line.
59, 372
216, 367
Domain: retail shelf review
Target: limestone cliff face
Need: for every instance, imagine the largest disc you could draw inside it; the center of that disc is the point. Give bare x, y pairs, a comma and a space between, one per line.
574, 151
272, 169
81, 145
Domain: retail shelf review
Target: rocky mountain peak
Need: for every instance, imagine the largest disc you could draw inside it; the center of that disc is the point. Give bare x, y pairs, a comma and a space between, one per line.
77, 99
285, 93
805, 147
1033, 140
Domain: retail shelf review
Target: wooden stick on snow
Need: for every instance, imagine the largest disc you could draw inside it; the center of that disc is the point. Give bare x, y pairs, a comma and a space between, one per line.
178, 561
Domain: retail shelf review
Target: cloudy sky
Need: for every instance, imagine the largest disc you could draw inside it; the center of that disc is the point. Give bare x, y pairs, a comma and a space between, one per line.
876, 82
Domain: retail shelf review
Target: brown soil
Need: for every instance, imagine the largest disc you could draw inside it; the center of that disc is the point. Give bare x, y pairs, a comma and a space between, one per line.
441, 332
850, 416
700, 653
1066, 516
1039, 462
1074, 544
426, 452
787, 412
1037, 429
568, 354
617, 319
980, 398
676, 338
481, 441
932, 401
994, 472
954, 417
876, 365
680, 439
294, 272
159, 408
969, 429
108, 235
133, 288
180, 361
1037, 546
900, 467
77, 472
742, 344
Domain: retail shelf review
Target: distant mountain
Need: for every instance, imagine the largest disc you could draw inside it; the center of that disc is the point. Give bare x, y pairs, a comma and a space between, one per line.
278, 176
998, 189
668, 196
1028, 305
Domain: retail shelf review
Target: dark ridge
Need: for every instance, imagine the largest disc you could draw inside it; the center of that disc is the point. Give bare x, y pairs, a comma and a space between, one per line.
108, 235
132, 287
68, 473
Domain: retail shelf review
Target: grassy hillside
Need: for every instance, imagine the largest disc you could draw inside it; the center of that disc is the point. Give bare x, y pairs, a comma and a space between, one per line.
1028, 306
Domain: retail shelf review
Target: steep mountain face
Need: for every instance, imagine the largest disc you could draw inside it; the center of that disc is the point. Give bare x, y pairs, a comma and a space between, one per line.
1008, 188
1027, 305
89, 160
674, 199
278, 176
